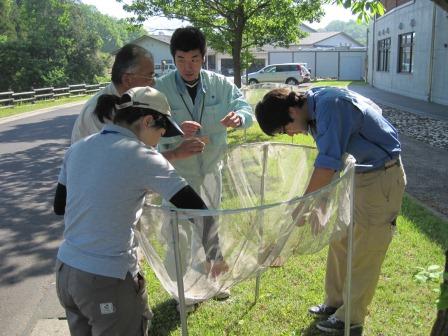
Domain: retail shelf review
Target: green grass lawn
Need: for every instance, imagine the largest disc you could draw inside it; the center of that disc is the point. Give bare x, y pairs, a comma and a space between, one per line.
6, 112
336, 83
401, 306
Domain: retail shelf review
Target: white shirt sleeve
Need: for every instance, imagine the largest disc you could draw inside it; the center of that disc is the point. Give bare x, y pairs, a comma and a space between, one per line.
87, 123
62, 178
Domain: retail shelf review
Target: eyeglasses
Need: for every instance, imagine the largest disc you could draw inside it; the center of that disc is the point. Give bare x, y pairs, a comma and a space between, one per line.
149, 78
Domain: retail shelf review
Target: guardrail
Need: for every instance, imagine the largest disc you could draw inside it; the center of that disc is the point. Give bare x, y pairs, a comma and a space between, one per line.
11, 98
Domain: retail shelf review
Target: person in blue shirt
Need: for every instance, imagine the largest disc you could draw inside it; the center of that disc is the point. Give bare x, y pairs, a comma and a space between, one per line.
342, 121
101, 191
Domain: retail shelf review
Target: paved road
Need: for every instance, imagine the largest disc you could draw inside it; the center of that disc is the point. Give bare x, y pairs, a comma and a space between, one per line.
426, 166
31, 151
427, 173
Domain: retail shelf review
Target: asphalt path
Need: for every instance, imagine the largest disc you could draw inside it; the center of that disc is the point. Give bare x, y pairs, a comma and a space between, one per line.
31, 152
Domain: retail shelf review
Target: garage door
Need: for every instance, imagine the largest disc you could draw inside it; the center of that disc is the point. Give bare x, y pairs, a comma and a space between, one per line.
280, 57
351, 67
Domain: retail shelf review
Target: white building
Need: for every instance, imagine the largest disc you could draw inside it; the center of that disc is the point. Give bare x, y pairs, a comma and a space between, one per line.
408, 50
159, 45
328, 55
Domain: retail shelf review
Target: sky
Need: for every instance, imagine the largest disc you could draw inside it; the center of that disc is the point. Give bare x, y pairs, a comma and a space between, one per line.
113, 8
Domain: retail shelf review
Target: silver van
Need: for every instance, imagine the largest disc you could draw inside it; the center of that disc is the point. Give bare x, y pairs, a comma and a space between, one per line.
289, 73
160, 69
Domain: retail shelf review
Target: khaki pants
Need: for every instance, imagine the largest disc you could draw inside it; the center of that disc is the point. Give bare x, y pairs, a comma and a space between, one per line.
378, 197
97, 305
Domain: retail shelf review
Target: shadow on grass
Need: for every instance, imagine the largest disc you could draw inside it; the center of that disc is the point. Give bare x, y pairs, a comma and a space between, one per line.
166, 318
234, 324
312, 330
435, 228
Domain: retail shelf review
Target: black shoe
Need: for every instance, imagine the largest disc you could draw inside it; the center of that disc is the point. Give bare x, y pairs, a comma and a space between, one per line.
322, 310
188, 308
335, 326
222, 295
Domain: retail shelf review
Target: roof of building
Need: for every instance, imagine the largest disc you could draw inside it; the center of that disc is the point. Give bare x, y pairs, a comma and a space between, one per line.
163, 38
307, 28
313, 40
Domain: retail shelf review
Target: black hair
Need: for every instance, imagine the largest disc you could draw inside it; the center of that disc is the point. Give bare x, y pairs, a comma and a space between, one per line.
187, 39
127, 58
106, 109
272, 112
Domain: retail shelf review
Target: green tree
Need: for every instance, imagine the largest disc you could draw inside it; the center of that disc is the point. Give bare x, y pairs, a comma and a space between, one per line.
232, 26
7, 24
356, 30
113, 33
53, 47
440, 327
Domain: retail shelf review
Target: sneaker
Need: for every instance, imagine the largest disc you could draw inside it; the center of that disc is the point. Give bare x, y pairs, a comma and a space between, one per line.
334, 325
222, 295
322, 310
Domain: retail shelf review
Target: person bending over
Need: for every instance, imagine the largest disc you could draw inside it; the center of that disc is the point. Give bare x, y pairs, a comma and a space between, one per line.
342, 121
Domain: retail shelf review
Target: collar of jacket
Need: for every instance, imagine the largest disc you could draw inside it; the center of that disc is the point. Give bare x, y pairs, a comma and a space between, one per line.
182, 88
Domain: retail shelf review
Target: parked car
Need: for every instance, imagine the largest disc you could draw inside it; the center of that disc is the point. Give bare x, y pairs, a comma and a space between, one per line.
289, 73
160, 69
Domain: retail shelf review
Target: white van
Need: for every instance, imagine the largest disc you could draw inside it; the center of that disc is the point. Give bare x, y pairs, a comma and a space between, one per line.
289, 73
160, 69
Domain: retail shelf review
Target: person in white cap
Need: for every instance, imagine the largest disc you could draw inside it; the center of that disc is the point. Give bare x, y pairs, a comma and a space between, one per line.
101, 191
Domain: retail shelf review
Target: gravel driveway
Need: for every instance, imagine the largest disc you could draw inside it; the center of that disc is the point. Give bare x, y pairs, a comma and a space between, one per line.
425, 156
430, 131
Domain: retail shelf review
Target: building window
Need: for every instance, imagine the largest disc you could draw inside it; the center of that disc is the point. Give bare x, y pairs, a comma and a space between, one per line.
405, 52
383, 55
211, 62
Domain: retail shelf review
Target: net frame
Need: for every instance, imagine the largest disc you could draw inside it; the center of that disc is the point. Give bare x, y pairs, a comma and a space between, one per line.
178, 214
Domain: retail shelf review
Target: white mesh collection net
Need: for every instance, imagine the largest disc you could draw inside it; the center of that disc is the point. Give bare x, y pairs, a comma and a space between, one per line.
252, 224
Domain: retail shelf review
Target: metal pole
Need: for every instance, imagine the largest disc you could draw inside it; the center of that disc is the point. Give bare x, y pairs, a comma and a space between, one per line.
431, 57
261, 221
179, 276
349, 257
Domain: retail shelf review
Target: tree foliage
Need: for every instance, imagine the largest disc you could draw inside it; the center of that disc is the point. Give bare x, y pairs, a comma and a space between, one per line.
357, 30
235, 26
364, 9
56, 42
113, 33
8, 13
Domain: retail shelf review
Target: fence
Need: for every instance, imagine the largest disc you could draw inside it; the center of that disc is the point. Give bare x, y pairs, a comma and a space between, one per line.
11, 98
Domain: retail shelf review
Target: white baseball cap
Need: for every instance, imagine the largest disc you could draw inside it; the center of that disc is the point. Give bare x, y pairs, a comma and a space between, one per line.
149, 98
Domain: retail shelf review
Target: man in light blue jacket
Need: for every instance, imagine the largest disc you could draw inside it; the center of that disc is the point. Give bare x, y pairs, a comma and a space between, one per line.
205, 104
